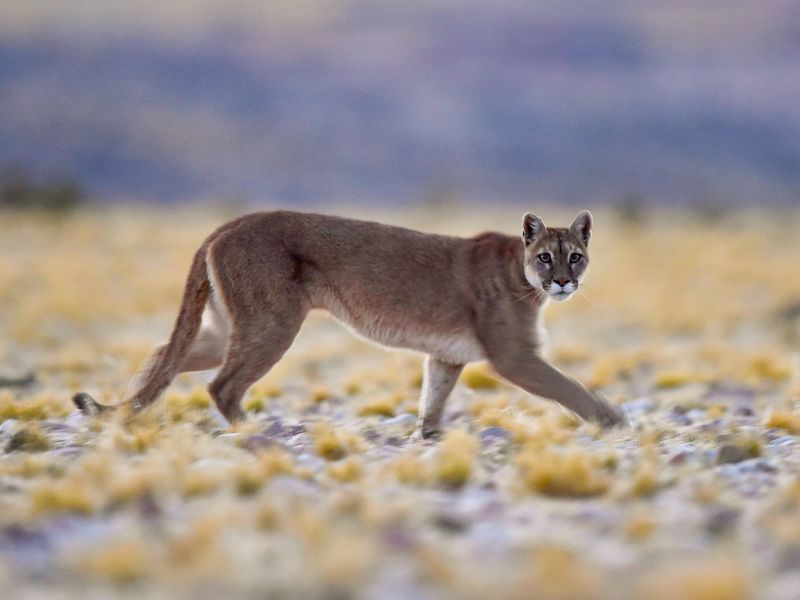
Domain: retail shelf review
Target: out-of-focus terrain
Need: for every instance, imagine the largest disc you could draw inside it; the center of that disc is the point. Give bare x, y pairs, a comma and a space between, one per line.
673, 100
690, 320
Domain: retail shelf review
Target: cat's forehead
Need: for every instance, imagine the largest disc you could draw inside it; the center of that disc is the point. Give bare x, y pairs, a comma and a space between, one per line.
558, 240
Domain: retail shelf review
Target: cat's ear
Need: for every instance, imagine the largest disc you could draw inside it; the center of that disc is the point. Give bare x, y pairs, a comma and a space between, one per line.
582, 226
532, 228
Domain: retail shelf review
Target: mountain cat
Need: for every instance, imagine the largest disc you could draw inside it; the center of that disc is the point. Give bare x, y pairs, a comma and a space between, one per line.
457, 300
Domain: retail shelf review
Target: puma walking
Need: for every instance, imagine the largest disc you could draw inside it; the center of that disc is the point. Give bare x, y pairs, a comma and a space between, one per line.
457, 300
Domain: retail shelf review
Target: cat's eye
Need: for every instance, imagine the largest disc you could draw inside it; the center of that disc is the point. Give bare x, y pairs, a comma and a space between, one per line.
575, 257
545, 258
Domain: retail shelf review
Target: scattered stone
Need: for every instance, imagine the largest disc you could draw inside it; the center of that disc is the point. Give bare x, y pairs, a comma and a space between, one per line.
731, 453
403, 420
494, 435
22, 380
28, 439
722, 520
639, 406
450, 522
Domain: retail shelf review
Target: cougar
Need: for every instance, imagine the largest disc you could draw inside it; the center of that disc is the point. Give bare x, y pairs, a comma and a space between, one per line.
457, 300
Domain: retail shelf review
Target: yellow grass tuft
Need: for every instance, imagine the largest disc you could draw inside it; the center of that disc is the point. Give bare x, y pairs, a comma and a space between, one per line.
37, 408
640, 525
121, 562
673, 379
646, 478
28, 439
771, 368
67, 495
254, 403
562, 472
320, 393
383, 406
410, 469
347, 470
332, 444
454, 461
787, 420
478, 376
703, 579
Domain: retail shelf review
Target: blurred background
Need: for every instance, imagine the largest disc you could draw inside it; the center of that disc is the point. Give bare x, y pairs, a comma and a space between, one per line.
331, 101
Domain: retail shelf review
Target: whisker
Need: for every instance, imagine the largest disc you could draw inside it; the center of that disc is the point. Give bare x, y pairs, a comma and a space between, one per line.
528, 295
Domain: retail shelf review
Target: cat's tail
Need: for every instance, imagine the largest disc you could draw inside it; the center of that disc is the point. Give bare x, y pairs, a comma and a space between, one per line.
167, 360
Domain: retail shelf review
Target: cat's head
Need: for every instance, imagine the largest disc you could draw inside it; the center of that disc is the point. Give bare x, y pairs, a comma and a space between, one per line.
556, 258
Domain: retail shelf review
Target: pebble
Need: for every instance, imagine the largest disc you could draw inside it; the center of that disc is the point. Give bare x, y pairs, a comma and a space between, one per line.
310, 461
275, 429
640, 405
722, 520
404, 420
730, 453
493, 435
8, 427
259, 441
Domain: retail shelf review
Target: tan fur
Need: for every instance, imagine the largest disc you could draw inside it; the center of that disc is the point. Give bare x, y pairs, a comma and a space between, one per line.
457, 300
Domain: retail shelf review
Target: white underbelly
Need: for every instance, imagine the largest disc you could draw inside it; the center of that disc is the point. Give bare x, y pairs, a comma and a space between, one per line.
453, 347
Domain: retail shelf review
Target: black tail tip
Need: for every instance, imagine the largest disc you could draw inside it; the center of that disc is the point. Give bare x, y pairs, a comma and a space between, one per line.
88, 405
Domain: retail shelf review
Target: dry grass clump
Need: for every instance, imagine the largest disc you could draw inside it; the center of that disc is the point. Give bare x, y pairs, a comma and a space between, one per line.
179, 406
250, 477
673, 379
71, 495
121, 562
28, 439
37, 408
770, 367
479, 376
347, 470
707, 578
640, 525
647, 477
788, 420
558, 573
385, 405
570, 472
456, 457
410, 468
333, 444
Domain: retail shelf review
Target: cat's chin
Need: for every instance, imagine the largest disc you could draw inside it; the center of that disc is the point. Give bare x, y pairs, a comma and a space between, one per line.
560, 296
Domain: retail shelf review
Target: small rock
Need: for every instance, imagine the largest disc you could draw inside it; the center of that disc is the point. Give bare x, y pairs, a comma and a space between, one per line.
230, 438
18, 380
784, 440
371, 434
730, 453
404, 420
8, 427
275, 429
451, 522
399, 538
640, 405
310, 461
494, 435
258, 441
293, 430
722, 520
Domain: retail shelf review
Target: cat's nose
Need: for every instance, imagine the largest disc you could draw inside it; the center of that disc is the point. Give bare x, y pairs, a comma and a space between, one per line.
561, 282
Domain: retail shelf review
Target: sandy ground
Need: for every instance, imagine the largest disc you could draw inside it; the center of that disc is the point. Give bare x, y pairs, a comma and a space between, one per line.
689, 320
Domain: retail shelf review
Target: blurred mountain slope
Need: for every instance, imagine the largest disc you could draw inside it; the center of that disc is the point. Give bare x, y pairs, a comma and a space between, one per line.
339, 100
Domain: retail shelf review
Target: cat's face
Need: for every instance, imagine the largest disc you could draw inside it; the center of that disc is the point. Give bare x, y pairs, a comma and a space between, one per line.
556, 259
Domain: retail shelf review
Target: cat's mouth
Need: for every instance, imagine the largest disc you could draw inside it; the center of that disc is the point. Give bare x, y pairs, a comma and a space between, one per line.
561, 292
560, 295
